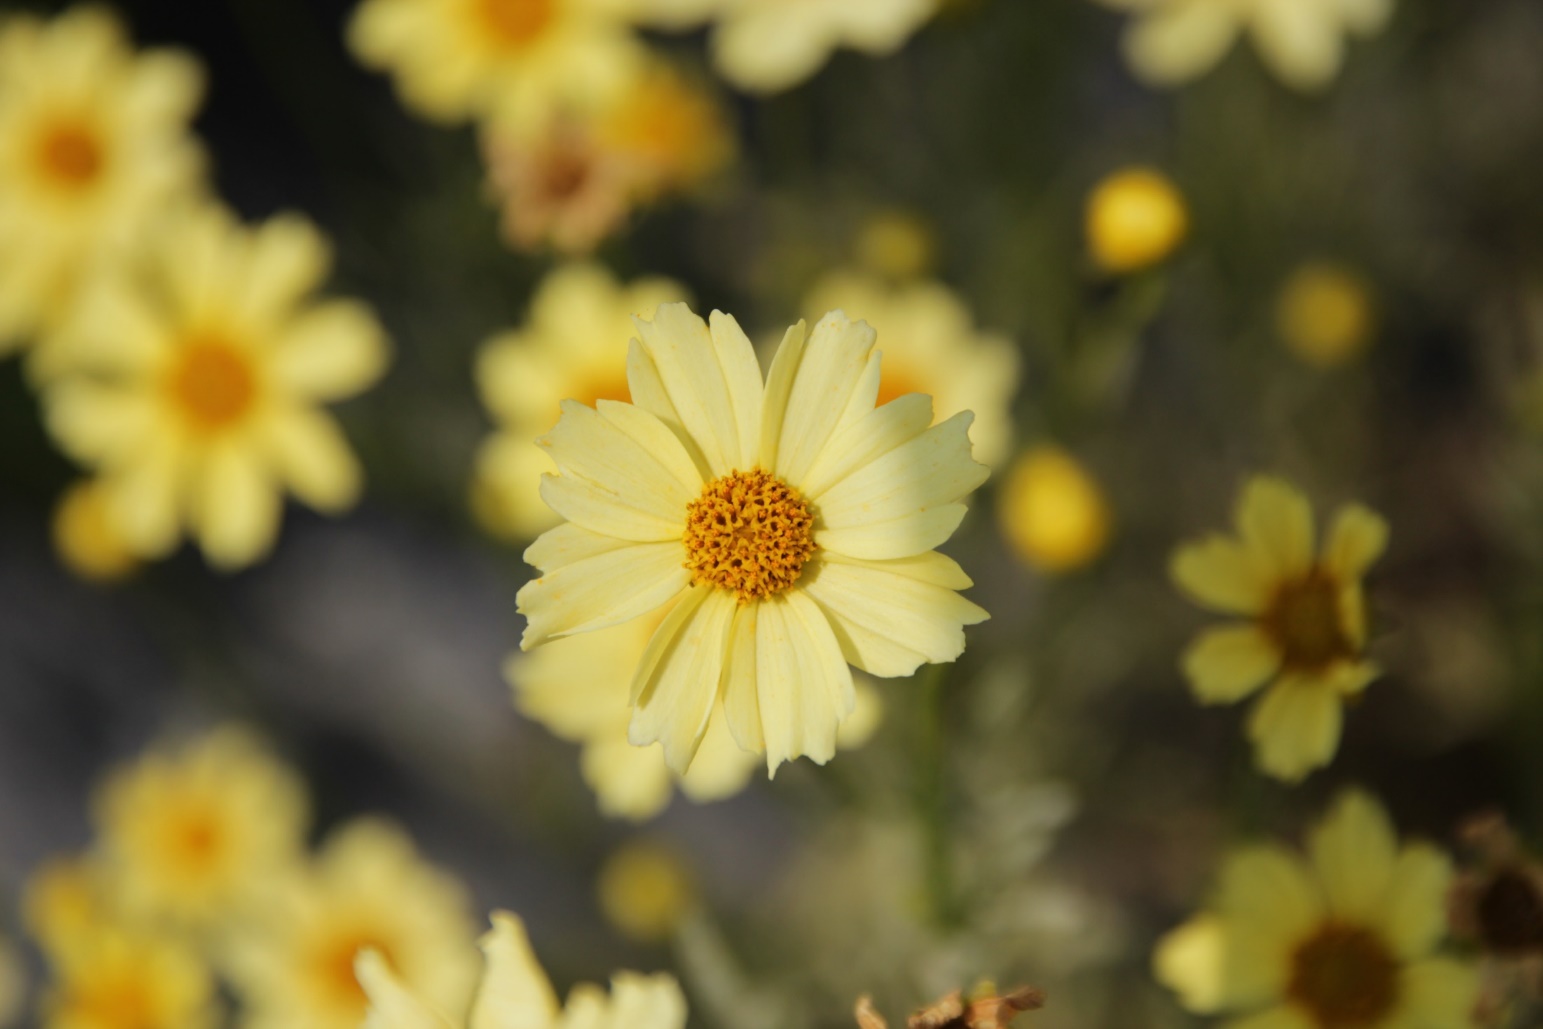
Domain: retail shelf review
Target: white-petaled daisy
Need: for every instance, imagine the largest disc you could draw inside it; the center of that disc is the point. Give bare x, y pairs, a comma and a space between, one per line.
790, 520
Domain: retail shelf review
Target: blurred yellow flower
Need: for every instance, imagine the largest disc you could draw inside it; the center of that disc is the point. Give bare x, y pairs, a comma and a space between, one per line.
1302, 41
368, 889
644, 890
896, 245
1052, 511
13, 983
85, 537
516, 994
194, 381
192, 834
805, 515
931, 345
94, 143
63, 900
1346, 938
517, 61
572, 347
1135, 218
1325, 314
670, 128
1306, 628
111, 978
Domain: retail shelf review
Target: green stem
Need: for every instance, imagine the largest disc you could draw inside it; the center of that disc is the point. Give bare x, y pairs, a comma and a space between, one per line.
932, 795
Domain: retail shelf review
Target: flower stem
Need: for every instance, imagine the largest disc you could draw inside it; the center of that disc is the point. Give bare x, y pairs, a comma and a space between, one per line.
932, 796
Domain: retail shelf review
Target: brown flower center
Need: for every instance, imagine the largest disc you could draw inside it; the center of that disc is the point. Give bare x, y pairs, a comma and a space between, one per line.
213, 383
1344, 977
1305, 620
749, 532
515, 23
1510, 913
69, 154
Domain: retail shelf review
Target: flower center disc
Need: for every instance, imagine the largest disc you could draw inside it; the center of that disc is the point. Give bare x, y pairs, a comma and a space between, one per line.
1304, 620
1510, 913
515, 23
213, 383
70, 155
749, 532
1344, 977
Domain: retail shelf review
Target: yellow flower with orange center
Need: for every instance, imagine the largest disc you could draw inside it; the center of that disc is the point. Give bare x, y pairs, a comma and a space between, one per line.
193, 382
112, 978
670, 129
1305, 628
1347, 938
520, 62
192, 835
63, 899
94, 145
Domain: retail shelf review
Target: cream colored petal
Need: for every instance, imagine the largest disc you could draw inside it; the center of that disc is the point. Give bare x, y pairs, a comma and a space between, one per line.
1439, 993
779, 387
693, 374
617, 457
310, 454
1283, 1016
914, 533
613, 513
1223, 575
515, 991
1350, 678
721, 767
646, 387
629, 782
767, 54
334, 350
114, 330
829, 369
646, 1002
873, 435
1275, 522
1179, 41
887, 620
1414, 908
1267, 890
648, 432
1301, 42
1227, 664
1356, 539
746, 668
1295, 728
1354, 850
881, 28
742, 373
288, 259
567, 544
600, 591
800, 712
236, 507
146, 497
678, 677
1366, 17
392, 1005
1191, 961
165, 87
100, 424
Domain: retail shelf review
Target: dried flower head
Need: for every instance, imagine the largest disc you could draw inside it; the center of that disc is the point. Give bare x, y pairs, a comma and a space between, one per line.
988, 1011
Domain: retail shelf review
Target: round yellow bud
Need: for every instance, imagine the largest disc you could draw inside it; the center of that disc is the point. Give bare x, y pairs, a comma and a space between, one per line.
1135, 218
644, 890
1325, 314
87, 541
895, 244
1052, 512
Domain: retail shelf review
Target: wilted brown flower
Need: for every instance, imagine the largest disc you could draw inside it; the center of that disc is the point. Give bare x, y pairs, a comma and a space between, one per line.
988, 1011
1497, 903
561, 189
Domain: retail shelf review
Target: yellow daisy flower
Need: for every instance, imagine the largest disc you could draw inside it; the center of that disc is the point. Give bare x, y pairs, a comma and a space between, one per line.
1302, 41
790, 522
518, 61
515, 992
194, 382
63, 899
192, 834
670, 128
1306, 628
931, 345
111, 978
569, 349
1325, 314
1346, 938
368, 889
94, 143
1052, 512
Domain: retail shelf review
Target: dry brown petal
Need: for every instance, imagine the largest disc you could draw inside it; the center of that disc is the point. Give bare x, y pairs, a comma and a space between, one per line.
951, 1012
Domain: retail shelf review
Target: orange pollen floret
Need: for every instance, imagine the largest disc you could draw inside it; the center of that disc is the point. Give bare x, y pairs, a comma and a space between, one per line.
749, 532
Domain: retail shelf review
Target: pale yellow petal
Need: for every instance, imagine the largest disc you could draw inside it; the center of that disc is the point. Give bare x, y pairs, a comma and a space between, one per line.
1179, 41
692, 371
1414, 908
742, 373
629, 782
146, 497
332, 351
915, 533
1356, 539
800, 712
876, 433
1301, 42
779, 387
603, 590
1268, 891
515, 991
1222, 574
768, 54
721, 767
1438, 993
610, 512
166, 86
1354, 850
288, 259
613, 456
1295, 728
1276, 523
747, 666
392, 1005
310, 454
96, 423
568, 544
1366, 17
678, 677
236, 507
1191, 961
1227, 664
646, 1002
829, 369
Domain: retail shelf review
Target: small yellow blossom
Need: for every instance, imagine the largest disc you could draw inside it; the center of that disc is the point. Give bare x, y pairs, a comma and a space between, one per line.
572, 347
1346, 938
515, 993
896, 245
1306, 621
788, 521
1052, 511
368, 890
111, 978
195, 379
94, 144
1302, 41
193, 834
519, 62
63, 900
670, 129
1135, 218
931, 345
85, 537
1325, 314
13, 983
644, 890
